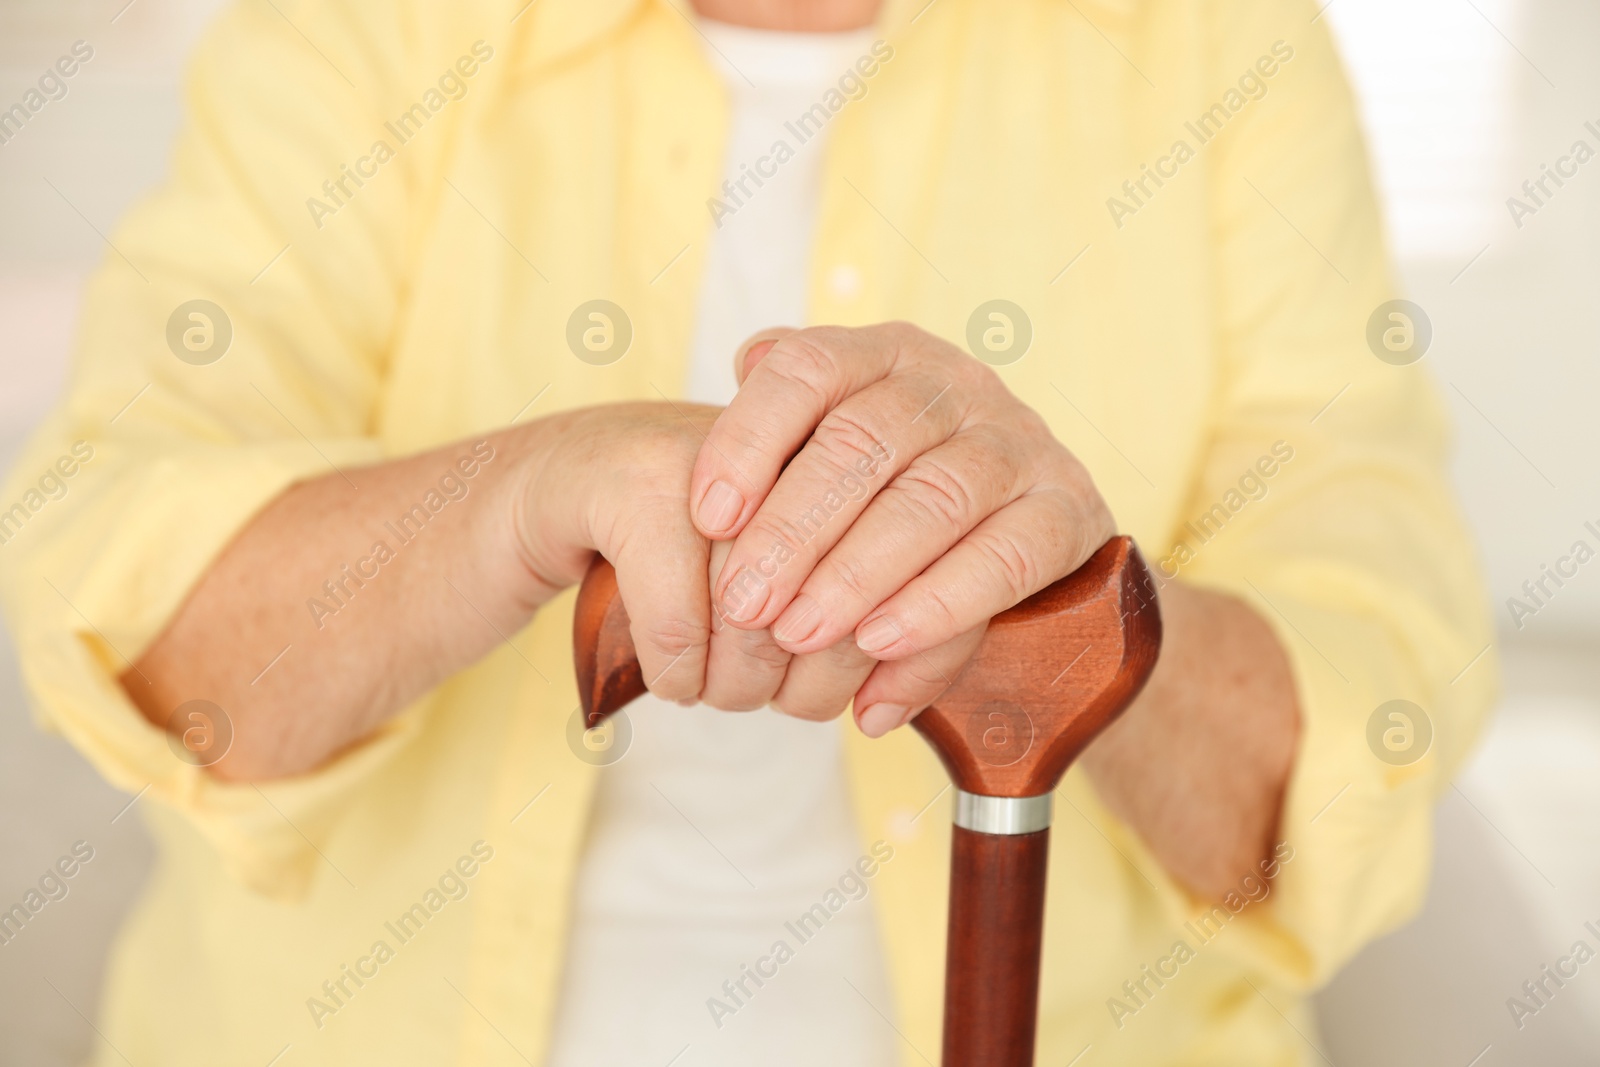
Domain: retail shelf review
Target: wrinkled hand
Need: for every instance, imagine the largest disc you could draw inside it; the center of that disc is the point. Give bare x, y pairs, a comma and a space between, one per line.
615, 482
922, 499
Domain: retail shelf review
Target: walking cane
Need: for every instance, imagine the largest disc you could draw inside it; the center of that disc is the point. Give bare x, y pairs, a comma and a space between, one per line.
1050, 674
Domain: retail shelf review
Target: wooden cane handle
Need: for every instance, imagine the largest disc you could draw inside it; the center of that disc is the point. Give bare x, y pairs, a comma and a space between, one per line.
1050, 674
602, 646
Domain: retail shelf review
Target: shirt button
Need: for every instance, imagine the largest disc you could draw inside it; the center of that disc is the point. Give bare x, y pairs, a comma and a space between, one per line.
845, 281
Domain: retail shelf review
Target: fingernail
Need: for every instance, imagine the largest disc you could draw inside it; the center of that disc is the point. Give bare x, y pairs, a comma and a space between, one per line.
798, 621
745, 596
757, 353
877, 635
720, 507
879, 719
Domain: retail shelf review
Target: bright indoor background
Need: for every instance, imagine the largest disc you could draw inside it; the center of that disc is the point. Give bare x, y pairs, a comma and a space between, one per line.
1462, 99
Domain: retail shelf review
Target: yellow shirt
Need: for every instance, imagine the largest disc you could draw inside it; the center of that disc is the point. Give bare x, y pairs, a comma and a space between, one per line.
1188, 329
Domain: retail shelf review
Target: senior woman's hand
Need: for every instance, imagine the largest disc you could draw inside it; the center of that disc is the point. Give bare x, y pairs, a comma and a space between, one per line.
886, 496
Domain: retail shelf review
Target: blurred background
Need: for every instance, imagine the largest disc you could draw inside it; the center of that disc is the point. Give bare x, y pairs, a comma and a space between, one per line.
1463, 101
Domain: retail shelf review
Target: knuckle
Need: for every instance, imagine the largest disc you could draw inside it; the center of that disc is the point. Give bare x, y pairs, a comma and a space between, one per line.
845, 438
771, 546
663, 441
979, 376
1007, 446
937, 615
674, 637
982, 385
925, 683
766, 658
934, 491
924, 679
754, 433
1009, 563
904, 335
1036, 446
744, 675
848, 574
801, 360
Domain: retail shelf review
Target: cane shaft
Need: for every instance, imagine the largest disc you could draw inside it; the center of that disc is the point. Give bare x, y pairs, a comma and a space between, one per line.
991, 990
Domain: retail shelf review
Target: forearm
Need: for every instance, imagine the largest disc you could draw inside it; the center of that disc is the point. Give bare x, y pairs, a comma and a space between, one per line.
361, 590
1199, 763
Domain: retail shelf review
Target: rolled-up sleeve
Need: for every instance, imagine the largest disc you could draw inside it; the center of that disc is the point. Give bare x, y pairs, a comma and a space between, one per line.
1352, 547
174, 447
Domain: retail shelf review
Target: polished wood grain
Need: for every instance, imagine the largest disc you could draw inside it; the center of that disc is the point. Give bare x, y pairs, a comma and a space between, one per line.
1050, 674
991, 968
602, 648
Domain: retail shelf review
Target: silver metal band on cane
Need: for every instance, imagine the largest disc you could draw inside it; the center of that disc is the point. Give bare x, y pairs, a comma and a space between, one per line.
1002, 815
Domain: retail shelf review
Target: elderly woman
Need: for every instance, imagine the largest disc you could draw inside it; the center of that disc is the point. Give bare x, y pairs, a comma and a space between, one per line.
838, 329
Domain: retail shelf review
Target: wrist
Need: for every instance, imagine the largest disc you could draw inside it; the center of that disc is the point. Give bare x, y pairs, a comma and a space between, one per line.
536, 517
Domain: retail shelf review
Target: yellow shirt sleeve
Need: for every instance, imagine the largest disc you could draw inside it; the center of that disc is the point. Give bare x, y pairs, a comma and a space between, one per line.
175, 448
1352, 549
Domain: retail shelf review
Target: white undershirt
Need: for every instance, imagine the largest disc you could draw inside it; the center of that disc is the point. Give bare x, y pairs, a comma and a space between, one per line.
715, 830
